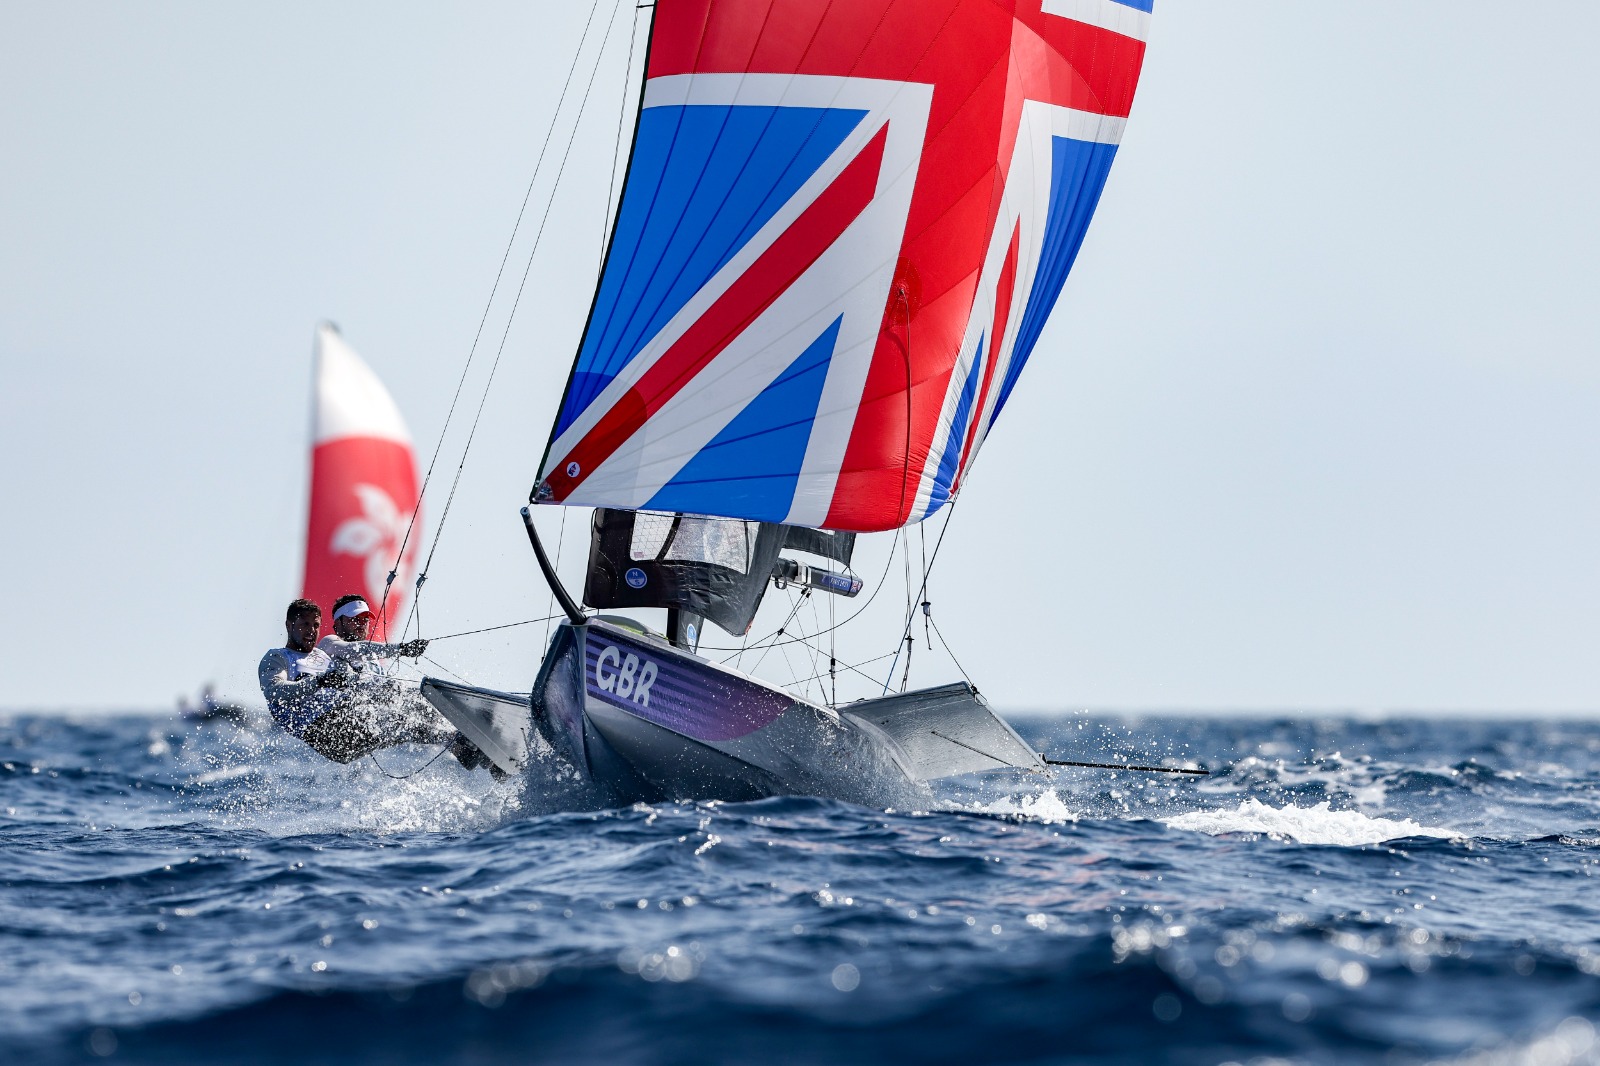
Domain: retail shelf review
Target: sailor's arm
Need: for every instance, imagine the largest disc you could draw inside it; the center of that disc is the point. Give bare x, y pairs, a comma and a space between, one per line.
276, 686
408, 650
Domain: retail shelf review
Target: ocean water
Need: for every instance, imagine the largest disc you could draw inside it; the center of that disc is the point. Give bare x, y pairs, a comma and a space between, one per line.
1340, 892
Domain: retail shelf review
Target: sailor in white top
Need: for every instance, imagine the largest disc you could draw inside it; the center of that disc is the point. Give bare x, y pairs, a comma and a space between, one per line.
292, 677
342, 704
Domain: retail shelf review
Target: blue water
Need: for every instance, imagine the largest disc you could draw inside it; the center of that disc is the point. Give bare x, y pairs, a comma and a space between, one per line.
1346, 892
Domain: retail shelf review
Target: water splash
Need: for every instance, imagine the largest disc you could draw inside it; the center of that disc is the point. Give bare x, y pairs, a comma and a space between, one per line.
1047, 807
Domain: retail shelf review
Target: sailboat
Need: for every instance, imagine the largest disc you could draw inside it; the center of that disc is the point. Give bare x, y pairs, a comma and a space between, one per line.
363, 493
842, 229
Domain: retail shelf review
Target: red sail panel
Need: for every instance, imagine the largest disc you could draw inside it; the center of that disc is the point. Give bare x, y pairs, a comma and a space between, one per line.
363, 489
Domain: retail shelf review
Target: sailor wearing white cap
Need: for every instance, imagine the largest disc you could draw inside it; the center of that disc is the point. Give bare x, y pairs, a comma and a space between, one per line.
349, 643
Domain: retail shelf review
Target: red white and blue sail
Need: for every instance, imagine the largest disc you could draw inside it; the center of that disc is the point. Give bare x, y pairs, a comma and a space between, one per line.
843, 227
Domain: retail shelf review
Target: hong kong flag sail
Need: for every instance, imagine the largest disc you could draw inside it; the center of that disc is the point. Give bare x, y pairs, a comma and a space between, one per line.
363, 485
843, 228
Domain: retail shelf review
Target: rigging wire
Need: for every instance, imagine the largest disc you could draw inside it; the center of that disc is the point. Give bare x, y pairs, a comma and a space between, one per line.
784, 651
612, 199
856, 669
946, 645
747, 646
510, 318
833, 657
476, 337
816, 620
794, 611
927, 616
560, 543
911, 645
910, 614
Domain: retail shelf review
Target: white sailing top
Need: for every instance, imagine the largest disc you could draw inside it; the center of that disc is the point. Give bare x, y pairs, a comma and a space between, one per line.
289, 683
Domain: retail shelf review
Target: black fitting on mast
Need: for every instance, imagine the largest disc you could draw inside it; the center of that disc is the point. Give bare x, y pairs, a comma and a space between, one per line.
564, 598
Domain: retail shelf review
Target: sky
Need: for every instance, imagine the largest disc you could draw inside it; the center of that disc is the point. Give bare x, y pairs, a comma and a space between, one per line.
1313, 426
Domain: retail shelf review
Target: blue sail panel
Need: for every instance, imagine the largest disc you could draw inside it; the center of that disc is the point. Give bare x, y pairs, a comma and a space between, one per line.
754, 463
951, 456
703, 181
1078, 176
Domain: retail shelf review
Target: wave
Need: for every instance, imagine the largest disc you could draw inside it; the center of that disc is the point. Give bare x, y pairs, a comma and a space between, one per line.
1320, 824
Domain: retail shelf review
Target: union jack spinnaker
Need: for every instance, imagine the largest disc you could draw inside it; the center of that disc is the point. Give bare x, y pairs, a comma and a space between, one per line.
842, 229
363, 486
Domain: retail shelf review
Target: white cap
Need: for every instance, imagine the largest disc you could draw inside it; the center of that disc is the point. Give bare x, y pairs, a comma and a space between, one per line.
352, 609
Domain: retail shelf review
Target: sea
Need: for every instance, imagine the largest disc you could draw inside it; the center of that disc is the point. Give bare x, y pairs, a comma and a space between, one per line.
1338, 890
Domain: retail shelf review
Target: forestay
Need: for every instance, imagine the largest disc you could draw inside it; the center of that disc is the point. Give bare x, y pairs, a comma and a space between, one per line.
842, 230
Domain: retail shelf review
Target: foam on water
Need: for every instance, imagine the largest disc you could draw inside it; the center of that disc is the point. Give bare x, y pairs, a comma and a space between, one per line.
1047, 807
1305, 825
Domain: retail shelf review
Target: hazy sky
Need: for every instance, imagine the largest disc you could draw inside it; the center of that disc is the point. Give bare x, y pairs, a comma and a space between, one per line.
1313, 425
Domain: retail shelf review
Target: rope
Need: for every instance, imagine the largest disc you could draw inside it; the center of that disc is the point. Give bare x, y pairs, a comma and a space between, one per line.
482, 321
445, 668
413, 773
491, 629
911, 646
515, 303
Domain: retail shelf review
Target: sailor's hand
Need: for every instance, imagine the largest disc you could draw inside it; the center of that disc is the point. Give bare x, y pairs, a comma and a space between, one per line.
337, 676
411, 649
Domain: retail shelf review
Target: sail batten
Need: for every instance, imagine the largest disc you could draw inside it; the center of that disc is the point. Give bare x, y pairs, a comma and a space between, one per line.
842, 230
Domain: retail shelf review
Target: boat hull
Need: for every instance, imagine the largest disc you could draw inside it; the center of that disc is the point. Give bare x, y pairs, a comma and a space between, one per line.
648, 721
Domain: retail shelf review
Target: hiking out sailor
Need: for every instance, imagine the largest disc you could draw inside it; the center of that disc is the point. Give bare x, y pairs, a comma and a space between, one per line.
351, 642
330, 705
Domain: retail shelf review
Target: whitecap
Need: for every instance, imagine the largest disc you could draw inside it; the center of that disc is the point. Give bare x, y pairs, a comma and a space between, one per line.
1305, 825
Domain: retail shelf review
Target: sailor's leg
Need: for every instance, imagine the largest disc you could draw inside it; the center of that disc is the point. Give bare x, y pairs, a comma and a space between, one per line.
344, 733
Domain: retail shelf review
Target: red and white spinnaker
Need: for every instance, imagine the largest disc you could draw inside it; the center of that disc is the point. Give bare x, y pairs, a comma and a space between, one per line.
363, 487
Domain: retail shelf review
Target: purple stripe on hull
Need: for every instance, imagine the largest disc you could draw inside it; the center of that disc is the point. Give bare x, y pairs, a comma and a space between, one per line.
681, 694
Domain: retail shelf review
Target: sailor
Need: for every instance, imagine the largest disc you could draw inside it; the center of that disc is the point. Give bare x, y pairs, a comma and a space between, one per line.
350, 640
327, 703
